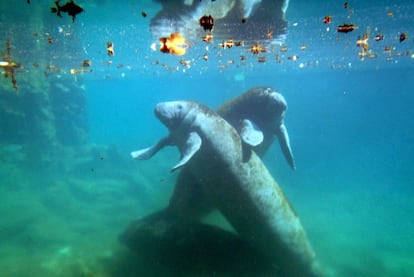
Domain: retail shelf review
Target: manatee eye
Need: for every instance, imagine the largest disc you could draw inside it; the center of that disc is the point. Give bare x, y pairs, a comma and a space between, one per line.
177, 111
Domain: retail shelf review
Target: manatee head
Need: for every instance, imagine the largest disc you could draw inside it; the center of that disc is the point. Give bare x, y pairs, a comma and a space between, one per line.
263, 105
276, 103
172, 113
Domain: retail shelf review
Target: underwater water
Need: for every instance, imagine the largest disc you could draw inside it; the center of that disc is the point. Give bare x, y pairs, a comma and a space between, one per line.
69, 188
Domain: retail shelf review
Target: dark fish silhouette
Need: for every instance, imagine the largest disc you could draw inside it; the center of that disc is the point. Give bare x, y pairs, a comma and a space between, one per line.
70, 8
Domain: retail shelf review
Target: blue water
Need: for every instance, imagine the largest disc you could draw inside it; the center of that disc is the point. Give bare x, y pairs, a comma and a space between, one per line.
349, 121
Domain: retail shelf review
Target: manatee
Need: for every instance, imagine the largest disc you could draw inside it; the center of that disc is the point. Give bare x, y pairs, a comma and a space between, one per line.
260, 110
247, 20
243, 190
258, 115
263, 108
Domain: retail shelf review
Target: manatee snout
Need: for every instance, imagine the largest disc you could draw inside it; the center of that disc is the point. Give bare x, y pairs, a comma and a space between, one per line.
166, 112
171, 113
278, 102
161, 111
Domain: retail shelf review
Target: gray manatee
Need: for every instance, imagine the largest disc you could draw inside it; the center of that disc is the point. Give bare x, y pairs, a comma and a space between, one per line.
248, 20
265, 109
258, 115
260, 110
262, 106
243, 191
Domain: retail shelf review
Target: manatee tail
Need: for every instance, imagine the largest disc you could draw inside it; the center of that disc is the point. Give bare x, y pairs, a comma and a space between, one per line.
284, 142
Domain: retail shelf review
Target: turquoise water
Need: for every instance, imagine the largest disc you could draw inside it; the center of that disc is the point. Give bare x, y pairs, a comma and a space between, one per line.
66, 196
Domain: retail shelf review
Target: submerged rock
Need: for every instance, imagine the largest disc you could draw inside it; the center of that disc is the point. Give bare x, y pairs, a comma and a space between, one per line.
162, 245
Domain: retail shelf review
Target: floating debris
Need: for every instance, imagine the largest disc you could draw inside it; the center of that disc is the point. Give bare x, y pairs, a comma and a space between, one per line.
363, 42
227, 43
379, 37
269, 34
186, 63
303, 47
346, 5
70, 8
293, 58
327, 19
345, 28
403, 37
207, 22
261, 59
367, 54
283, 48
110, 49
208, 38
51, 68
87, 63
257, 48
405, 53
9, 66
74, 71
144, 14
388, 49
174, 44
239, 43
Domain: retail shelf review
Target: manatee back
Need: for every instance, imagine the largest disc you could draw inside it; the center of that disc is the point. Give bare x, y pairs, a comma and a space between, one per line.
254, 204
259, 106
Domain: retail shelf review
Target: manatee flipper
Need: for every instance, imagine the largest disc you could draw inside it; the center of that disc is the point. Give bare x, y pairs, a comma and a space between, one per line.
192, 145
250, 133
147, 153
284, 142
